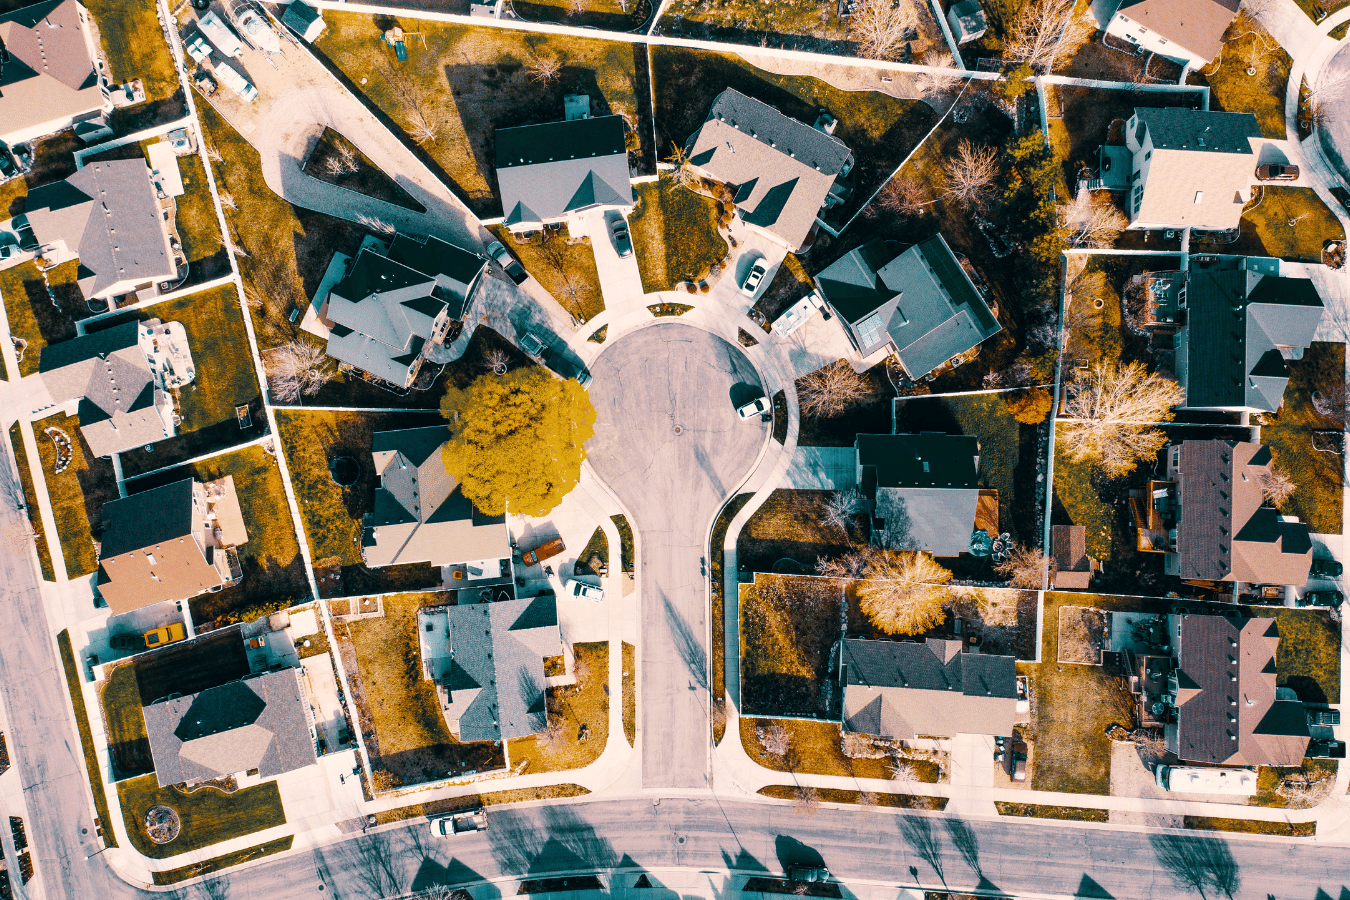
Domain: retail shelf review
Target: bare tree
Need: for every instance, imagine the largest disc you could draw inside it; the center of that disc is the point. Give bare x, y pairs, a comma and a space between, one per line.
342, 161
904, 196
298, 369
775, 739
860, 746
1043, 30
880, 27
902, 771
269, 280
1329, 400
1113, 412
496, 360
850, 565
544, 68
552, 737
1092, 220
1026, 567
227, 200
806, 801
422, 127
970, 172
868, 801
1323, 97
575, 6
683, 173
212, 153
903, 591
571, 291
18, 535
1277, 486
842, 509
831, 390
1305, 789
375, 225
1254, 53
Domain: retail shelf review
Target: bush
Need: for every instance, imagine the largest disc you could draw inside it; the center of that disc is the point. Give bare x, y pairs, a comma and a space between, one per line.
1031, 407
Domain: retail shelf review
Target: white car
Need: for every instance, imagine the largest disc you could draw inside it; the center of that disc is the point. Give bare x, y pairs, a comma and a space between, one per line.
750, 285
580, 590
236, 82
756, 407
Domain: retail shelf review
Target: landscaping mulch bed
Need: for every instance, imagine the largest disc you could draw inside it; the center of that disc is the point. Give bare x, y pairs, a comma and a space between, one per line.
1039, 811
193, 666
337, 161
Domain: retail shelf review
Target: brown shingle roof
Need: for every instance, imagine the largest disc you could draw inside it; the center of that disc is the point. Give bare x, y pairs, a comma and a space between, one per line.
1197, 25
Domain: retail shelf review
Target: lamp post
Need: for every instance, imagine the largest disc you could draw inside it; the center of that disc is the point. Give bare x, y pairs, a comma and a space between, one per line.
95, 853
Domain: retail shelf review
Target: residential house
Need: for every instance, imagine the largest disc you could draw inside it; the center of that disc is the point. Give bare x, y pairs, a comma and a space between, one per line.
50, 79
1210, 518
1073, 567
1222, 703
1190, 168
922, 489
487, 662
784, 173
1239, 328
919, 305
258, 726
170, 543
902, 690
967, 21
421, 513
119, 381
393, 310
110, 217
552, 173
1187, 31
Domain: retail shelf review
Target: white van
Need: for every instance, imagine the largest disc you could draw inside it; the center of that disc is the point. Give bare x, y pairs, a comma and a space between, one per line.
236, 82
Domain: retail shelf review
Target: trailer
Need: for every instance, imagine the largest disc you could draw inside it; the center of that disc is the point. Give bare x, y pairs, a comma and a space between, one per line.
218, 33
1196, 780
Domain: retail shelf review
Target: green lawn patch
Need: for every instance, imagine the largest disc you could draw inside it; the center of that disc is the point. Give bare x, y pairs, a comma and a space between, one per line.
338, 161
584, 705
789, 627
135, 46
77, 493
127, 740
564, 267
91, 763
1038, 811
1262, 93
32, 317
12, 194
1266, 228
208, 815
604, 14
30, 500
1251, 826
1289, 434
837, 795
674, 234
1309, 656
599, 336
225, 861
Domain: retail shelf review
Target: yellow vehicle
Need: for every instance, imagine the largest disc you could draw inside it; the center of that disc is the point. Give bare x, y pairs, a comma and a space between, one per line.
158, 637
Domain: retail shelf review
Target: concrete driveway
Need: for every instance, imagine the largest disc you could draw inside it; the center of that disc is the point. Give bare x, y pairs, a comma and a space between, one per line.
620, 279
670, 446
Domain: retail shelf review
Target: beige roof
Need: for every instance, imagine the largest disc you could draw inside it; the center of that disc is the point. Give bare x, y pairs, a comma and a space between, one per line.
50, 76
1197, 25
229, 751
1221, 181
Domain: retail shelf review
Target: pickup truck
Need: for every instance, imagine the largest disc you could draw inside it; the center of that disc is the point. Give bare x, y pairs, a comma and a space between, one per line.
459, 823
543, 552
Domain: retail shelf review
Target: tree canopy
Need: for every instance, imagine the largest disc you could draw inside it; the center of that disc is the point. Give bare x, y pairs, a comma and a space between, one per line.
517, 440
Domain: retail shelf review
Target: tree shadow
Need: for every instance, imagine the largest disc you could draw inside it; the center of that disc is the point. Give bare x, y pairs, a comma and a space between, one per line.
687, 644
918, 833
374, 861
1197, 863
792, 852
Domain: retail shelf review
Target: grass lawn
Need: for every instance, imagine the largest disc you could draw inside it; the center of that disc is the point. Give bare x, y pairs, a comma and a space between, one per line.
629, 693
404, 730
788, 628
91, 763
1251, 826
134, 45
32, 317
1083, 496
190, 668
801, 24
30, 500
1104, 334
1269, 778
1326, 7
1073, 705
198, 227
127, 740
674, 234
566, 269
1070, 813
274, 571
1289, 434
1262, 94
209, 816
1266, 230
813, 748
473, 801
596, 552
625, 541
717, 587
77, 494
12, 194
584, 704
879, 129
225, 861
789, 525
604, 14
472, 80
1309, 655
836, 795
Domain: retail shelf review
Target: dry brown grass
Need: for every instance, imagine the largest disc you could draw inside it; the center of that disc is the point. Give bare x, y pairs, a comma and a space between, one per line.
1081, 633
790, 525
814, 749
788, 627
585, 704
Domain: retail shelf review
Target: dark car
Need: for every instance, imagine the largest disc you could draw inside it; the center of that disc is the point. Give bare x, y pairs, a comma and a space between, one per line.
514, 270
1326, 567
1324, 749
1017, 769
808, 874
623, 241
1273, 172
1323, 716
1333, 599
564, 367
7, 167
127, 642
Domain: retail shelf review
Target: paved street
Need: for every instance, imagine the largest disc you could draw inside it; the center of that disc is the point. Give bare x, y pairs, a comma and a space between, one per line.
669, 444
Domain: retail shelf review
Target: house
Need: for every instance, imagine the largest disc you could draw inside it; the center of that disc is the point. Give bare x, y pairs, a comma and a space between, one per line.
1210, 519
1073, 567
304, 20
170, 543
1238, 330
119, 381
967, 21
919, 305
1190, 168
922, 489
902, 690
487, 662
784, 173
393, 310
107, 215
552, 173
1222, 705
421, 513
1187, 31
257, 726
50, 76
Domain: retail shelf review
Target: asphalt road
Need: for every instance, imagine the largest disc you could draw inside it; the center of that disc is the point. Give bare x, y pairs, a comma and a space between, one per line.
669, 444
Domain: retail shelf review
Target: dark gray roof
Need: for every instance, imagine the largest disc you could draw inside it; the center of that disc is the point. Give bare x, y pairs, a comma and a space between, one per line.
930, 459
259, 722
1174, 128
142, 520
94, 345
780, 132
547, 171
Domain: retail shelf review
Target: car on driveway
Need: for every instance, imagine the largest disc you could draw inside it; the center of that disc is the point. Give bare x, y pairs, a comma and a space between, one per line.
169, 634
7, 167
756, 407
1333, 599
1274, 172
514, 270
127, 642
750, 286
580, 590
808, 874
1328, 568
623, 241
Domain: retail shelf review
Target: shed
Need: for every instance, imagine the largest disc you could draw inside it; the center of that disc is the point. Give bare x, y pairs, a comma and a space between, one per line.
304, 20
967, 21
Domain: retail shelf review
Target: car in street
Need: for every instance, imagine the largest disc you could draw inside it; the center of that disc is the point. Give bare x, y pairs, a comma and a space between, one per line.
1275, 172
618, 231
168, 634
808, 874
459, 823
500, 255
580, 590
750, 286
1333, 599
127, 641
756, 407
1327, 568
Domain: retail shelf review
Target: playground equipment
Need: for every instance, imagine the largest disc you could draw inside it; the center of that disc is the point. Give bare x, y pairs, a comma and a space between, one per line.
396, 37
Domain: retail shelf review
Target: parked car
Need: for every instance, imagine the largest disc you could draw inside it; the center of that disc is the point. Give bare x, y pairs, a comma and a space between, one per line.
237, 83
752, 278
756, 407
1323, 716
623, 241
1333, 599
7, 166
1329, 568
127, 642
1017, 767
1273, 172
169, 634
564, 367
808, 874
1325, 749
514, 270
459, 823
580, 590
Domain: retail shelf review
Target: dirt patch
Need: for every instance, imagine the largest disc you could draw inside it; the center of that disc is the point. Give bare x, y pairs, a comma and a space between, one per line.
1082, 635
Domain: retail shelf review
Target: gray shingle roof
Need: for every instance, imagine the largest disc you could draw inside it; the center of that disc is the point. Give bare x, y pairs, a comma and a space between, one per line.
547, 171
926, 487
49, 74
1174, 128
151, 517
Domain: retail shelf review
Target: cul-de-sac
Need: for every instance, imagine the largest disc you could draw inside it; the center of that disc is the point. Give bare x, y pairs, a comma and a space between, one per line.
674, 449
